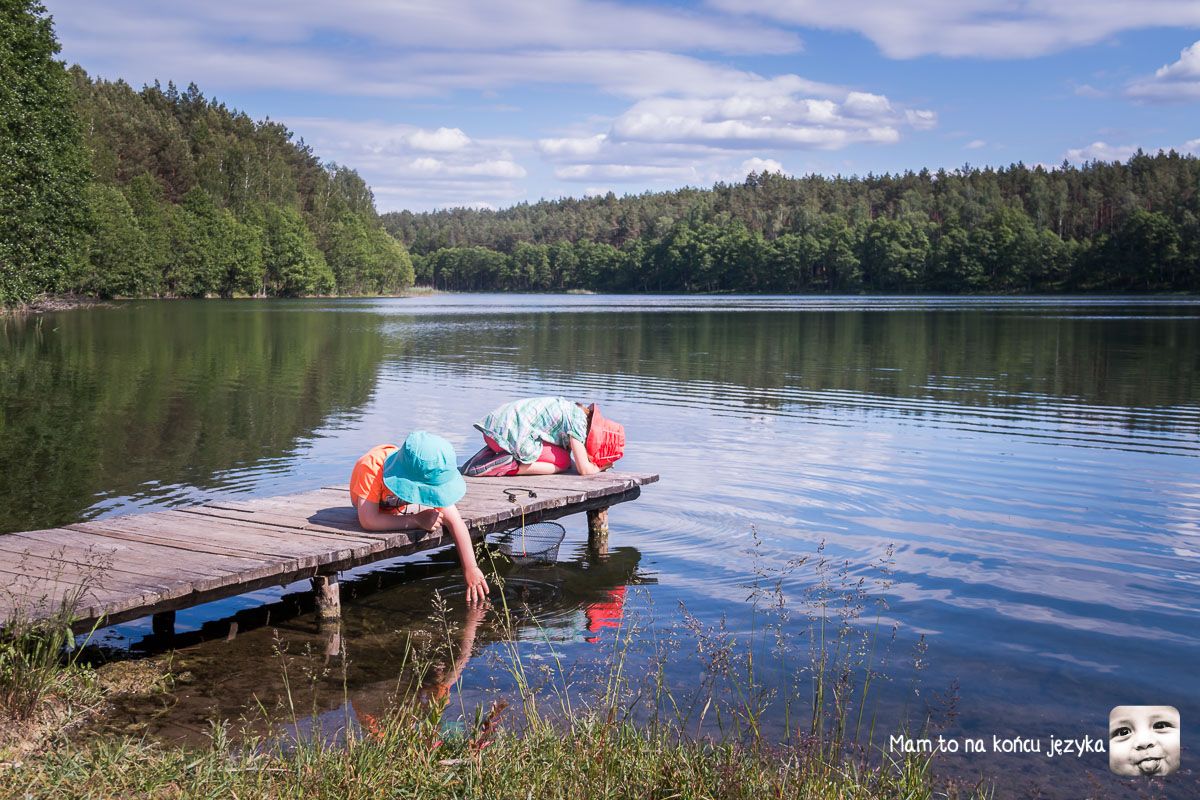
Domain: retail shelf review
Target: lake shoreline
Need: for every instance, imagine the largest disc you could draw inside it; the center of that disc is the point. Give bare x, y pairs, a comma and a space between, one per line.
72, 302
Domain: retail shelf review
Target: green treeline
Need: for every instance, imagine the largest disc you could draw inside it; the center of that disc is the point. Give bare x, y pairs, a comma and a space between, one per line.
1102, 227
108, 191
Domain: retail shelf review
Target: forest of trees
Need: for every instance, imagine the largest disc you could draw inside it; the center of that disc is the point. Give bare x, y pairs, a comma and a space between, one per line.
1102, 227
108, 191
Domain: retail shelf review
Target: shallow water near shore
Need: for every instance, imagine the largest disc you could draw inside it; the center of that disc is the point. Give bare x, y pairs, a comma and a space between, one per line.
1025, 470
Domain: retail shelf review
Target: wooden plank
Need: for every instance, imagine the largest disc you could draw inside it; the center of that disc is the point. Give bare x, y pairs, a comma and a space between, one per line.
172, 574
203, 571
40, 597
303, 500
57, 573
78, 561
88, 548
298, 521
592, 486
287, 530
234, 533
118, 529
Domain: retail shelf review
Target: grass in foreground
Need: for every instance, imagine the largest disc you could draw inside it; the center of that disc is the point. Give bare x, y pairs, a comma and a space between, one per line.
406, 756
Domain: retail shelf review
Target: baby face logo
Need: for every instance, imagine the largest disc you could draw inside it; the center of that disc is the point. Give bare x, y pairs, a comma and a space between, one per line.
1143, 740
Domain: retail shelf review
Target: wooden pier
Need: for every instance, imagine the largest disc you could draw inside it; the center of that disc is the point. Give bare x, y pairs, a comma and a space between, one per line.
122, 568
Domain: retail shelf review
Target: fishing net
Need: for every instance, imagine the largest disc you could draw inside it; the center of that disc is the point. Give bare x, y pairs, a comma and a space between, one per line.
535, 543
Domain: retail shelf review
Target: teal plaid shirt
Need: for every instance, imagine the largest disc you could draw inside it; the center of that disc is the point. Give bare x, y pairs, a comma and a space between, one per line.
520, 427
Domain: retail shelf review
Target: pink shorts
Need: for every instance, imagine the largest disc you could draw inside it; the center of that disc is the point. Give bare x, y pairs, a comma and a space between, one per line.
551, 453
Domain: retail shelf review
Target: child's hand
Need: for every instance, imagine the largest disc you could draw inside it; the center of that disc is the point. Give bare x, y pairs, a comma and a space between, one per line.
430, 519
477, 586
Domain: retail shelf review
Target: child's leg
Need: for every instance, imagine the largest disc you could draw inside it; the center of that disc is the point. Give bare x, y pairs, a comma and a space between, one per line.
489, 461
538, 468
552, 459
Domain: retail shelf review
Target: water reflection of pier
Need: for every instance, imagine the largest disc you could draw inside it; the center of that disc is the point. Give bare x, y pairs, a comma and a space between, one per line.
392, 641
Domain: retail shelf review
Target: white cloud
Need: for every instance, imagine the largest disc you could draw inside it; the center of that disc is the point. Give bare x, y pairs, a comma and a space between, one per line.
1171, 83
975, 28
1101, 151
760, 165
637, 74
975, 144
862, 104
441, 140
435, 167
921, 120
625, 172
780, 119
756, 165
572, 147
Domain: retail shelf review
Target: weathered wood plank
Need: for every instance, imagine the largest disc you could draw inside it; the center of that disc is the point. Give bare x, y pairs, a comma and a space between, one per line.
57, 573
174, 571
194, 531
298, 521
131, 556
38, 598
121, 532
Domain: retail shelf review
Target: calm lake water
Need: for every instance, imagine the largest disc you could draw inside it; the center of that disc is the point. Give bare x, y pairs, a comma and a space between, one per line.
1018, 480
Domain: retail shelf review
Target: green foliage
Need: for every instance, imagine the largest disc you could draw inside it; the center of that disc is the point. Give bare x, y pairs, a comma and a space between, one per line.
1146, 250
294, 265
365, 259
117, 260
391, 264
1104, 226
156, 220
894, 252
42, 163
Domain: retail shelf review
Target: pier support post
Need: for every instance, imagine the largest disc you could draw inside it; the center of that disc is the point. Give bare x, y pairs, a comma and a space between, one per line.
333, 641
598, 531
329, 601
162, 625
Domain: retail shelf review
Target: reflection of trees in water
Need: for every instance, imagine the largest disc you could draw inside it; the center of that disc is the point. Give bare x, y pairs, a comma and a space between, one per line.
393, 641
104, 401
979, 358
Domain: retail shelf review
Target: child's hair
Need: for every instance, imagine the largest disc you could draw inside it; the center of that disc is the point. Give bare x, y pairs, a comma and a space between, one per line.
587, 412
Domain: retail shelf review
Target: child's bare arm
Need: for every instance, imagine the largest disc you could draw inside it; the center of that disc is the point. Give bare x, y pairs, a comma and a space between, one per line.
477, 587
583, 464
373, 518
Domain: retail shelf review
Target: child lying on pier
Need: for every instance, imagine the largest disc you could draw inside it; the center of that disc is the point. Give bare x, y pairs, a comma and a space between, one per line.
542, 436
416, 486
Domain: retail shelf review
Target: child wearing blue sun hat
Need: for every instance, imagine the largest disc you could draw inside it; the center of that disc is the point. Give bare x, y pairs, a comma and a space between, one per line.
416, 486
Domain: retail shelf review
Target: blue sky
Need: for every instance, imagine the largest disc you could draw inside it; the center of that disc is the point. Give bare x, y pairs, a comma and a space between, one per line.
488, 104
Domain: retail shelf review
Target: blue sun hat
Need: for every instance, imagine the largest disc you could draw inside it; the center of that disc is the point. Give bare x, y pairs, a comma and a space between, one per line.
424, 471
